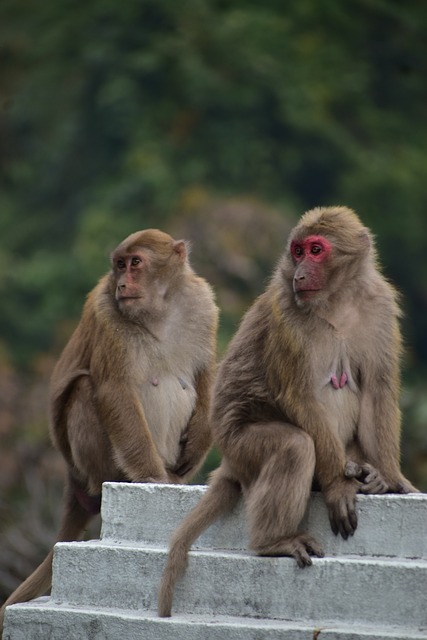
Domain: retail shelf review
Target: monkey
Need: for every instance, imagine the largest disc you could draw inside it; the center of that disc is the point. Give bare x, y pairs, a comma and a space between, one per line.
129, 395
307, 393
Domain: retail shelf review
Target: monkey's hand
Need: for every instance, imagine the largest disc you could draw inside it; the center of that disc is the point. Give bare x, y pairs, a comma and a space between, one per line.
340, 498
371, 480
185, 463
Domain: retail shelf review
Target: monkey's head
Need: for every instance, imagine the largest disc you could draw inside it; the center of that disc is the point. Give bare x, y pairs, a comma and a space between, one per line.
146, 267
326, 251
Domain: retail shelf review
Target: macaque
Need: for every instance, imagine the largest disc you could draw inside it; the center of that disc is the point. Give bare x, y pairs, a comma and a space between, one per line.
129, 395
307, 392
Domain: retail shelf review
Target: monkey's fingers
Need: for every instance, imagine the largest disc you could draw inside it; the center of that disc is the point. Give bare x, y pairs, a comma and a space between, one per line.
302, 557
312, 546
340, 498
345, 526
343, 517
364, 472
341, 525
372, 480
352, 469
369, 473
374, 484
372, 476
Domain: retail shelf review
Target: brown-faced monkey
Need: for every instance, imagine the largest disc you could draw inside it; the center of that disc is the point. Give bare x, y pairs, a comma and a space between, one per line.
130, 393
308, 390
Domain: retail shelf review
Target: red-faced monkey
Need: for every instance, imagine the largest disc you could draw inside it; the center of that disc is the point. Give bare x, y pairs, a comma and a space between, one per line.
308, 390
130, 393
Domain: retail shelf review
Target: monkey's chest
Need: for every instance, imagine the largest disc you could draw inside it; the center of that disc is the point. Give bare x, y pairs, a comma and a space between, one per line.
168, 400
338, 391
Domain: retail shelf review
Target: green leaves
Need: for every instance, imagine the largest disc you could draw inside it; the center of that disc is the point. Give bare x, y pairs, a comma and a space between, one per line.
113, 112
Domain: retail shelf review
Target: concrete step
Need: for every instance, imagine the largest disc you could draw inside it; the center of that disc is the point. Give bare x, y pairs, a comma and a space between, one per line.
361, 591
42, 620
370, 587
389, 525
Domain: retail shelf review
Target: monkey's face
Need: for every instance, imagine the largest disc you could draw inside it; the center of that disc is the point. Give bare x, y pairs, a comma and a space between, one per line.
129, 270
138, 286
311, 260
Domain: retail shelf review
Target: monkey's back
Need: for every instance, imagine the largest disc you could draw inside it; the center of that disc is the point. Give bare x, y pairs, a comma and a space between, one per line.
242, 392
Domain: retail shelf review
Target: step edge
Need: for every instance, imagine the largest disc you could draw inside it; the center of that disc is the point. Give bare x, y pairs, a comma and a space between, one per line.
45, 604
138, 546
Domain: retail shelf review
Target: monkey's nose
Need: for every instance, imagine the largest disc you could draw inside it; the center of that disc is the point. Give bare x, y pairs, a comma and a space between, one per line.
121, 287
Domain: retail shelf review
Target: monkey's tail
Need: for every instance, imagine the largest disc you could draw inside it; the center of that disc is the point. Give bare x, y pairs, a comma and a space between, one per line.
74, 519
220, 498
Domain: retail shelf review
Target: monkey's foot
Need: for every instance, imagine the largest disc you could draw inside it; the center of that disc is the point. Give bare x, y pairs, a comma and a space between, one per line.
301, 547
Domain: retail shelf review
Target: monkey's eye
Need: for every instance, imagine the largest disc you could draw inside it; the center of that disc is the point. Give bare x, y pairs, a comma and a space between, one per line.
298, 250
136, 261
120, 264
316, 249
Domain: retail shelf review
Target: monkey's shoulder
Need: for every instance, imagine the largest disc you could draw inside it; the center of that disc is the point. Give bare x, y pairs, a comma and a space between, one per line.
198, 303
200, 287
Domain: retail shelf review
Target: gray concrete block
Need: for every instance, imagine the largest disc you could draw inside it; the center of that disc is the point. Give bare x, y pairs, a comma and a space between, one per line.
150, 513
389, 525
42, 620
370, 587
361, 591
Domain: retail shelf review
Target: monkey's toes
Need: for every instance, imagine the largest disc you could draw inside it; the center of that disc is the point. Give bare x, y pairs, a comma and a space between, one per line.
302, 557
306, 546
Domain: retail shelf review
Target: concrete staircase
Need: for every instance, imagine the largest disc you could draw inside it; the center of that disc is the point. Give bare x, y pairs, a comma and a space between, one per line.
370, 587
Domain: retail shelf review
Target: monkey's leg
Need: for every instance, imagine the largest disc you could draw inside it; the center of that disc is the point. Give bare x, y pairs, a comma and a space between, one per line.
277, 498
91, 453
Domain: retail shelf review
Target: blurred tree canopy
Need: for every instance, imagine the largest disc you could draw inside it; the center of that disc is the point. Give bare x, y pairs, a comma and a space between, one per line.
111, 113
220, 119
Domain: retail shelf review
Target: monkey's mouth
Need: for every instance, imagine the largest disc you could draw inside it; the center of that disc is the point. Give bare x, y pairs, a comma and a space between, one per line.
303, 292
123, 298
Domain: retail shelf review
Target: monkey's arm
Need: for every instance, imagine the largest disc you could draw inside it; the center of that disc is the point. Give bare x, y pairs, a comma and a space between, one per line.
379, 431
338, 490
197, 438
380, 418
73, 363
122, 415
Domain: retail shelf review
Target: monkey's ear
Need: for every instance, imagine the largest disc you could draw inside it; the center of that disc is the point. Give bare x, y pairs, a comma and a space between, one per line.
180, 248
359, 243
365, 240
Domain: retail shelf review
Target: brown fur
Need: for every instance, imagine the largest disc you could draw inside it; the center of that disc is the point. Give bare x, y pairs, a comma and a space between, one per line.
130, 393
277, 418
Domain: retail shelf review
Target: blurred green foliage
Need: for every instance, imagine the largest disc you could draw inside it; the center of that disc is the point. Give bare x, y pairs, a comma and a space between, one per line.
111, 111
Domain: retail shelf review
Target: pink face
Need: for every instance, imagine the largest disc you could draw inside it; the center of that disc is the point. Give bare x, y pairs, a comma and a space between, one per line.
129, 272
313, 248
310, 256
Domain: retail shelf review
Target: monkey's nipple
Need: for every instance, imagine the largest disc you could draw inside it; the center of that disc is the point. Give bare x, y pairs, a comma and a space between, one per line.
182, 383
342, 381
